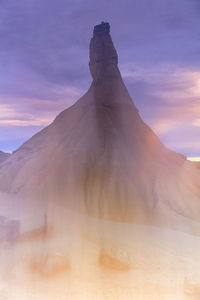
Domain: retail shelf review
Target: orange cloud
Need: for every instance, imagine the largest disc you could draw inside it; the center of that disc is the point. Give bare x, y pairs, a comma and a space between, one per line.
195, 159
196, 123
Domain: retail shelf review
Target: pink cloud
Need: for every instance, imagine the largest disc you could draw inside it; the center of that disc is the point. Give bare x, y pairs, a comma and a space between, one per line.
35, 112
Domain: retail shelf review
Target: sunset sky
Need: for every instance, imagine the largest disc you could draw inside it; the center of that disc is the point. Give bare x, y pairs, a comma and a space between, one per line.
44, 63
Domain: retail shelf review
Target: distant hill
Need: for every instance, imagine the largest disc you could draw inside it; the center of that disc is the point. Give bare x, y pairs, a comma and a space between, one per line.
3, 156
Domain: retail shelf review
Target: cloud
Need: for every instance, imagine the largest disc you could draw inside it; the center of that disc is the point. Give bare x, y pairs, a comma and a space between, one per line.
168, 97
35, 112
196, 122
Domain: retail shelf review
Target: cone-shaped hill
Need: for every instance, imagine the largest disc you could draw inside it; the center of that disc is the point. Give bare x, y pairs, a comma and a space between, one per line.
99, 158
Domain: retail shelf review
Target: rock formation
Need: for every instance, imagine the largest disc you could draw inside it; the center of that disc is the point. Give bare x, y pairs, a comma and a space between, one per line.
105, 211
99, 158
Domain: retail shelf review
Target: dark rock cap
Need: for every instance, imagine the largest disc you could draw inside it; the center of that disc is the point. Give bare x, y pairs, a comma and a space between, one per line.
103, 28
103, 56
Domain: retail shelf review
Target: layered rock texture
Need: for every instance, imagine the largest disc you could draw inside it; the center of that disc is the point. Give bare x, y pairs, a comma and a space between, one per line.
98, 157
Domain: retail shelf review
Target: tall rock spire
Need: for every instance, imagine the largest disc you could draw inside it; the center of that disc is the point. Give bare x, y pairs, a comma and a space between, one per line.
107, 163
99, 208
108, 86
103, 56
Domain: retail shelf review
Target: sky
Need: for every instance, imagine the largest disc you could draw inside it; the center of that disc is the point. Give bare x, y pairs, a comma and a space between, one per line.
44, 63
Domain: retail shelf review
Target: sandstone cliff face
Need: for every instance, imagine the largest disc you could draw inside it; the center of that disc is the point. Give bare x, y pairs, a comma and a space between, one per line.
99, 158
